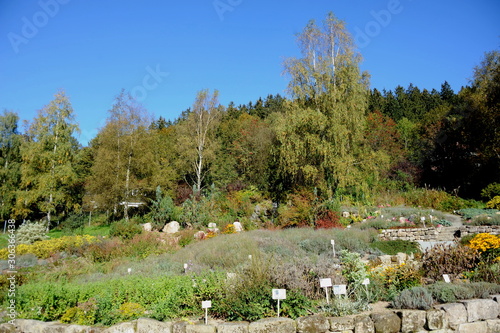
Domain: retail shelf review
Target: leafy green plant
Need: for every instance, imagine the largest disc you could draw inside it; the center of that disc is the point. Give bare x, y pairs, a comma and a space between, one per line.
163, 210
124, 229
469, 213
29, 233
392, 247
415, 298
491, 191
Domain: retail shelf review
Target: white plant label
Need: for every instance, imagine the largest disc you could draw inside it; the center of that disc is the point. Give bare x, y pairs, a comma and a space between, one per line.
446, 278
279, 293
206, 304
340, 289
324, 283
366, 281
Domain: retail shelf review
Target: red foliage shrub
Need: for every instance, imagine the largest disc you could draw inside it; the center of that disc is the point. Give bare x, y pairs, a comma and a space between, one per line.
328, 220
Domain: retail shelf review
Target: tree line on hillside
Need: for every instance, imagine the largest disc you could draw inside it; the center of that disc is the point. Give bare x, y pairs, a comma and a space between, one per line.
332, 135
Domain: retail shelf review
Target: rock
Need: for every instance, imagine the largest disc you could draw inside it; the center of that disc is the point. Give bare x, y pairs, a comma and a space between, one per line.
272, 325
7, 328
147, 226
480, 326
172, 227
346, 214
200, 235
493, 325
233, 327
200, 328
456, 314
436, 319
127, 327
481, 309
386, 322
385, 260
313, 324
341, 324
238, 227
412, 320
363, 323
213, 227
147, 325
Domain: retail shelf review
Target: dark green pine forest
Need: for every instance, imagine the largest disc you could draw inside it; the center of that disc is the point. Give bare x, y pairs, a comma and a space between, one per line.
329, 141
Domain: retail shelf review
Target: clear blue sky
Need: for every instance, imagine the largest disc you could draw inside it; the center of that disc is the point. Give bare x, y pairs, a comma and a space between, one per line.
166, 51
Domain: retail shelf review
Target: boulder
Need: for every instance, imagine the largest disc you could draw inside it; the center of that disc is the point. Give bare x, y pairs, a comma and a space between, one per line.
479, 326
238, 227
341, 324
147, 226
436, 319
233, 327
412, 320
455, 313
127, 327
200, 328
172, 227
272, 325
363, 323
386, 322
213, 227
481, 309
148, 325
313, 324
200, 235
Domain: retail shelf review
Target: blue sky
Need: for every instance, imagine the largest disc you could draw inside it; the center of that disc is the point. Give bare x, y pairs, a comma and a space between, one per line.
166, 51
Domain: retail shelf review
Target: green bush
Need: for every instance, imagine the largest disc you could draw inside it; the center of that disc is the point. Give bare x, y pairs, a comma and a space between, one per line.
491, 191
29, 233
163, 210
415, 298
75, 223
124, 229
393, 247
452, 292
485, 220
469, 213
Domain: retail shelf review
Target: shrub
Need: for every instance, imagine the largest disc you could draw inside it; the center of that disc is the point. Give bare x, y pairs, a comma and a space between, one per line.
396, 278
392, 247
46, 248
327, 220
487, 244
469, 213
74, 224
163, 210
484, 219
29, 233
494, 203
451, 292
341, 307
449, 259
491, 191
124, 229
414, 298
130, 311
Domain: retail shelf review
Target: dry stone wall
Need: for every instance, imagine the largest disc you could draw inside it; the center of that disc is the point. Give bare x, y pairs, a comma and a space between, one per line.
433, 234
476, 315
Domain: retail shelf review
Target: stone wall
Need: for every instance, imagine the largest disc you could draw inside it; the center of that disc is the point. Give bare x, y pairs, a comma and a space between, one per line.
433, 234
476, 315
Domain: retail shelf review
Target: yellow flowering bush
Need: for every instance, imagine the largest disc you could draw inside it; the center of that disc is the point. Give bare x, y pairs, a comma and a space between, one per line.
131, 310
229, 229
45, 248
484, 242
487, 244
398, 277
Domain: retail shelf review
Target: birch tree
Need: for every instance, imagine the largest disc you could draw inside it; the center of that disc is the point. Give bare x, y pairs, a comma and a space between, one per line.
196, 135
47, 173
319, 138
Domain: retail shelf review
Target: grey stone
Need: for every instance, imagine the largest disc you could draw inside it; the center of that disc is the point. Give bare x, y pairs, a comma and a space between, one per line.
312, 324
412, 320
233, 327
7, 328
148, 325
179, 327
82, 329
171, 227
200, 235
455, 313
147, 226
386, 322
200, 328
481, 309
496, 298
479, 326
273, 325
340, 324
493, 325
363, 324
127, 327
436, 319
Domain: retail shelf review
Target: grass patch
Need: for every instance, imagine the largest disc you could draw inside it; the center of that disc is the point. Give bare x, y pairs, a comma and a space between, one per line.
392, 247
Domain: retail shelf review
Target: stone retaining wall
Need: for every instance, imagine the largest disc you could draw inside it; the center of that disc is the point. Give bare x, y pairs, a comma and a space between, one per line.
475, 316
431, 234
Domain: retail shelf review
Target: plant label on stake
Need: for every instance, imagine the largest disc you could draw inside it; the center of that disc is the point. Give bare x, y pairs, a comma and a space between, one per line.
340, 289
446, 278
205, 305
325, 283
279, 294
366, 282
333, 245
185, 268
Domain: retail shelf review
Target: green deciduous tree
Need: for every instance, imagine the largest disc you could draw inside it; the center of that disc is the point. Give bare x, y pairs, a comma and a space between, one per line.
319, 137
10, 162
122, 160
47, 172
